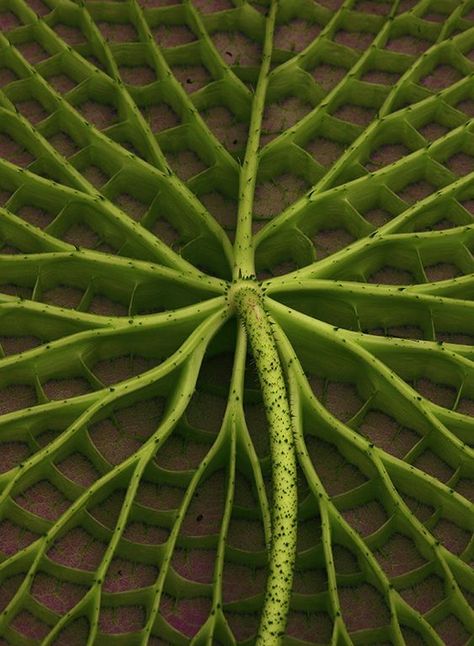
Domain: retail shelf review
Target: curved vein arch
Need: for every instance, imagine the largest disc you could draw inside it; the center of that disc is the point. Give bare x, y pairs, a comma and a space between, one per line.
322, 106
39, 547
75, 351
201, 29
343, 190
386, 466
324, 185
384, 110
290, 319
437, 45
337, 14
53, 315
389, 461
153, 245
191, 353
77, 348
95, 325
368, 249
353, 154
455, 288
176, 183
78, 321
188, 381
449, 417
160, 158
205, 465
383, 113
244, 250
197, 342
462, 355
330, 515
225, 157
134, 113
293, 216
171, 180
95, 591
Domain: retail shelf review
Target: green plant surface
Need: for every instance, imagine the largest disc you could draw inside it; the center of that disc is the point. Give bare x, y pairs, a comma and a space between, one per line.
236, 322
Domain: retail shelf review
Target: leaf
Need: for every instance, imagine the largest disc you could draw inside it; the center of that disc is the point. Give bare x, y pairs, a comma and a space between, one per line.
236, 322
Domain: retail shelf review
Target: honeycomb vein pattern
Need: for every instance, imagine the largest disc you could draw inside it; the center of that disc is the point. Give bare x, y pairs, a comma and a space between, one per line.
138, 140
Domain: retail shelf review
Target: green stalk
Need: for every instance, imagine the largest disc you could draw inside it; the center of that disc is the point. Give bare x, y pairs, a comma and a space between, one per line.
244, 261
249, 305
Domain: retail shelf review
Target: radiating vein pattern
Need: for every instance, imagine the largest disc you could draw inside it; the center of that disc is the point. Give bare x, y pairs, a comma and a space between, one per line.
136, 496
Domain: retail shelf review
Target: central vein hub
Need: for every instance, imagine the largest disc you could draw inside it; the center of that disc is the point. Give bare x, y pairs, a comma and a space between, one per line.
248, 290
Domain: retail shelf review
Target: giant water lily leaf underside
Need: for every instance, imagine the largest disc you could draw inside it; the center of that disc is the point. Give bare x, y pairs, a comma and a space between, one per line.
135, 468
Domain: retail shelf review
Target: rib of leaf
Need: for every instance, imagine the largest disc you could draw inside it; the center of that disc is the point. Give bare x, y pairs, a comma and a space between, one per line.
43, 313
196, 342
133, 112
359, 306
325, 183
75, 347
293, 212
293, 319
145, 242
205, 465
401, 474
237, 84
363, 252
332, 23
384, 110
322, 106
437, 45
244, 437
225, 158
176, 185
389, 469
330, 516
13, 227
354, 152
86, 269
142, 459
161, 252
158, 157
216, 618
387, 376
384, 347
294, 216
96, 590
243, 248
452, 288
190, 353
96, 326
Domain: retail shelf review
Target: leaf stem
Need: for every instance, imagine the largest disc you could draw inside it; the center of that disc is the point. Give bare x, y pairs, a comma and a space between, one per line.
249, 305
244, 264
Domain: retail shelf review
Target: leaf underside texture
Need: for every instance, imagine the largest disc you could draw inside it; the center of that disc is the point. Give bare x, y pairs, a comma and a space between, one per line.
236, 322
